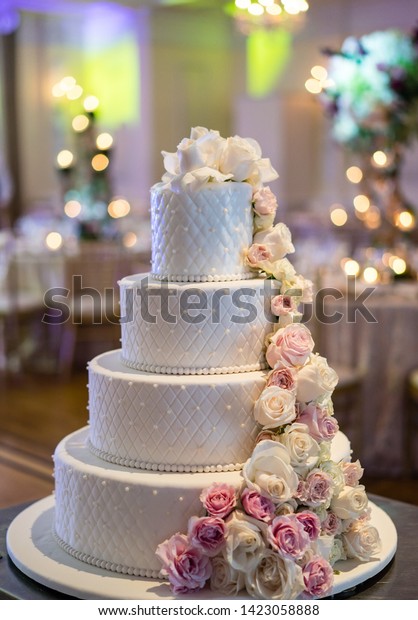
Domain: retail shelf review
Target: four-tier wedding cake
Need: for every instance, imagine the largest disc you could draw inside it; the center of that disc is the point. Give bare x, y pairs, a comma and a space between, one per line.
212, 456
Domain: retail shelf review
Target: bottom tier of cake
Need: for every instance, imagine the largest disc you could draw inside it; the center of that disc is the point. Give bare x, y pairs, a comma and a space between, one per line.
115, 517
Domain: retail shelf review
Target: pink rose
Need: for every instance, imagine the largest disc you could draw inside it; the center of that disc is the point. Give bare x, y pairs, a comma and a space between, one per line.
283, 378
290, 346
322, 426
352, 473
265, 202
318, 488
282, 305
310, 522
185, 566
208, 534
318, 577
219, 499
257, 255
258, 506
331, 525
287, 535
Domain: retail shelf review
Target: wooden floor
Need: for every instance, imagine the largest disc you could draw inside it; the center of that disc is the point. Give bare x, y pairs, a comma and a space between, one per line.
38, 410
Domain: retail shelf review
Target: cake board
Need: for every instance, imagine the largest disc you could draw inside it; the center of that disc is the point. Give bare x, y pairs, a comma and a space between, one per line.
33, 549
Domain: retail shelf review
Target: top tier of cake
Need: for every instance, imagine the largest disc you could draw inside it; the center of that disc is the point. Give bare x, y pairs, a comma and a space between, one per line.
201, 235
202, 211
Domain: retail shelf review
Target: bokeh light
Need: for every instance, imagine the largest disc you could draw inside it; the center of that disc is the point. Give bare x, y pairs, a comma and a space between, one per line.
53, 240
99, 162
65, 158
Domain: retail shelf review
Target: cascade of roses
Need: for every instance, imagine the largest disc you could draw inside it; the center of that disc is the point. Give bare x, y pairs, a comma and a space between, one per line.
296, 512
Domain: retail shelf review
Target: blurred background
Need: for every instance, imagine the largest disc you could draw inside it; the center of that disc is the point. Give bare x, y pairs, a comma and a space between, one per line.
91, 93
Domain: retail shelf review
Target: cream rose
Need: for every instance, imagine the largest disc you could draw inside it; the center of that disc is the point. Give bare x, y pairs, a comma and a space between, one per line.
316, 380
277, 239
274, 578
275, 407
269, 472
362, 542
244, 542
350, 503
225, 579
303, 449
241, 157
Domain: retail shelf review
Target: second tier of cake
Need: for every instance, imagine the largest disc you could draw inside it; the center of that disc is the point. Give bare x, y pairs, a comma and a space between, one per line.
171, 423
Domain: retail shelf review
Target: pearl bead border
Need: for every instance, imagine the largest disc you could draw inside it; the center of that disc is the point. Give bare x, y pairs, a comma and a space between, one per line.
106, 564
204, 277
179, 370
161, 467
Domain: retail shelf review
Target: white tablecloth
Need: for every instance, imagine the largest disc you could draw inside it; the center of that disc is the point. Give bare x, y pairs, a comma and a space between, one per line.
387, 349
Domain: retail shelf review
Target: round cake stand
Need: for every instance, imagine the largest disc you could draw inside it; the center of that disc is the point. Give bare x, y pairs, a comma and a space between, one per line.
33, 549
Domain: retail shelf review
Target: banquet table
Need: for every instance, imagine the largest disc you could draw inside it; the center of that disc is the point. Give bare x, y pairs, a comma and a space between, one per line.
377, 332
396, 582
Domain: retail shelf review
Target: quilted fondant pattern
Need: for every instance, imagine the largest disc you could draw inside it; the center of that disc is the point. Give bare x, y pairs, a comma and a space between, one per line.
115, 517
173, 422
201, 233
224, 333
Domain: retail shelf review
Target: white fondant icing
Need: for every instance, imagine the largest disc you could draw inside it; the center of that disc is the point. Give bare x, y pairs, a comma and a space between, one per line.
120, 523
209, 328
191, 230
91, 529
170, 420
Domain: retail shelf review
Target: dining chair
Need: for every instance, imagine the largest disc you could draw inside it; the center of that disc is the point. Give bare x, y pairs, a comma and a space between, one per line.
90, 315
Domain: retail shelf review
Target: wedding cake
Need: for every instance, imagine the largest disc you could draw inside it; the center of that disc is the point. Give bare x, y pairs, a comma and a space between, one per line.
212, 456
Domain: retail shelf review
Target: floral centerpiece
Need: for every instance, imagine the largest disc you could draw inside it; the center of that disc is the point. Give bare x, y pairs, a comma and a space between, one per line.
372, 90
296, 512
371, 96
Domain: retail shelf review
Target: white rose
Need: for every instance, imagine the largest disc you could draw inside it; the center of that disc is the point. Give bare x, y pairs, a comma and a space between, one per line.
244, 543
316, 380
269, 472
337, 552
239, 158
198, 132
225, 579
299, 283
171, 164
282, 269
277, 239
362, 542
324, 451
195, 179
274, 578
336, 473
275, 407
303, 449
263, 222
211, 147
350, 503
189, 156
323, 546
